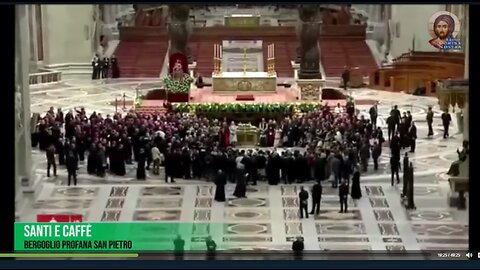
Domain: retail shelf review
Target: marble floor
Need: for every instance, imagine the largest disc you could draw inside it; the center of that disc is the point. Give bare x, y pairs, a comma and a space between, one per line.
268, 218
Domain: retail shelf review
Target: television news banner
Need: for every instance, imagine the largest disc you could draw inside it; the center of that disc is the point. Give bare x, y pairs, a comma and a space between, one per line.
63, 233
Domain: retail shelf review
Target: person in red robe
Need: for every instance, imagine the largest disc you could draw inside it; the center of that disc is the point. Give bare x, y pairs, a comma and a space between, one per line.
225, 136
270, 136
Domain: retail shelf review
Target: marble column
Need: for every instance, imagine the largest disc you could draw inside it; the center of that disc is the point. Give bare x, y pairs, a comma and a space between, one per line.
23, 145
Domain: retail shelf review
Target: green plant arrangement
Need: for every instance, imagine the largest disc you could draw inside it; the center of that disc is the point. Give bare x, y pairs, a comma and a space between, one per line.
181, 86
209, 108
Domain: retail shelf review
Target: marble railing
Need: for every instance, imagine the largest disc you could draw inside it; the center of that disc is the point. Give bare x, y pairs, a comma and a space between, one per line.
45, 76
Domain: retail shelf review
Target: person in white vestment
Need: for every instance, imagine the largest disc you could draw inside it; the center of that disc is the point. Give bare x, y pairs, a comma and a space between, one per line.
233, 134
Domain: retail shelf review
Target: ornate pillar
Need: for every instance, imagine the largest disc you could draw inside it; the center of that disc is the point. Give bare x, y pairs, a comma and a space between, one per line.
23, 145
309, 51
179, 30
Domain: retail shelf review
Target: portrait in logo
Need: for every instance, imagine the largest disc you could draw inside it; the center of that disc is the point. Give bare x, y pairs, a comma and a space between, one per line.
444, 27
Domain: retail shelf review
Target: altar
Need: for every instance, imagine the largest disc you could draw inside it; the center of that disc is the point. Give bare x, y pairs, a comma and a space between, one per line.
244, 81
242, 20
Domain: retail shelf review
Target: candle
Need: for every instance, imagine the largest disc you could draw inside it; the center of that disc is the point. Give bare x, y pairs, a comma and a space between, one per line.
273, 50
268, 52
214, 50
221, 51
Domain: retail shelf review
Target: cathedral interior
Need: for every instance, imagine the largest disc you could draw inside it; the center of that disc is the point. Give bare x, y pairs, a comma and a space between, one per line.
307, 49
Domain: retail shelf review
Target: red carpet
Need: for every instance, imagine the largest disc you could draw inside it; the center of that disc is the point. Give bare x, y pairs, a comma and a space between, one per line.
245, 98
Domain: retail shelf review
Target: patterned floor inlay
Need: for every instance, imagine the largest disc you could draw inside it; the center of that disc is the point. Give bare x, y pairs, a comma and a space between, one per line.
154, 230
203, 202
148, 202
248, 239
158, 191
205, 191
430, 215
330, 201
293, 228
202, 229
455, 241
202, 214
156, 215
440, 229
252, 191
290, 202
74, 192
247, 228
291, 214
374, 191
343, 239
392, 240
332, 215
62, 204
388, 229
378, 202
421, 191
247, 214
111, 215
340, 228
115, 203
247, 202
395, 247
118, 191
383, 215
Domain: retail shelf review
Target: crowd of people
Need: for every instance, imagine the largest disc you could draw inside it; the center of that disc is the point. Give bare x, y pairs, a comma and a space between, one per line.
319, 146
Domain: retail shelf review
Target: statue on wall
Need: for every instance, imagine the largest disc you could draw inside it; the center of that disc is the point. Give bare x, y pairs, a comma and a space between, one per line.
308, 32
179, 30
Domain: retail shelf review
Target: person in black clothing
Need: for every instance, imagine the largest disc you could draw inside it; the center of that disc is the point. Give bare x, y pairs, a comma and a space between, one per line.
241, 187
101, 66
92, 160
343, 195
430, 121
61, 151
106, 67
72, 165
391, 123
211, 248
298, 247
395, 145
397, 116
412, 134
169, 167
178, 247
51, 160
395, 167
316, 198
319, 172
376, 153
96, 68
186, 164
141, 174
303, 201
114, 67
373, 115
356, 190
220, 182
446, 119
350, 108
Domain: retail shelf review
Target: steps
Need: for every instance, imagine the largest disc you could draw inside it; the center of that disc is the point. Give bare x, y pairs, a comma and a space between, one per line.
137, 59
337, 53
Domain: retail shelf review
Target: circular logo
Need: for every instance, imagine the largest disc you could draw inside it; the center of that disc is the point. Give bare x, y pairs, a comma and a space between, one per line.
447, 19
